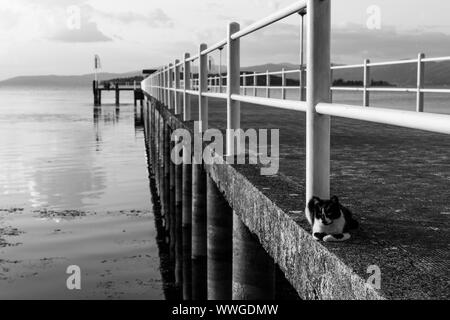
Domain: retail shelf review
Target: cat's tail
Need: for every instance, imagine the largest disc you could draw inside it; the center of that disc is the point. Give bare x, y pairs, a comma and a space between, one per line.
351, 223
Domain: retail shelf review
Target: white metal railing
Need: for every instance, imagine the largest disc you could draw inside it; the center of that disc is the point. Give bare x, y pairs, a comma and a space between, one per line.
216, 83
167, 86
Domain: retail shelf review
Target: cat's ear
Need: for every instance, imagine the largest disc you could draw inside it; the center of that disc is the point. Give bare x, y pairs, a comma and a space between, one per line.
335, 200
315, 201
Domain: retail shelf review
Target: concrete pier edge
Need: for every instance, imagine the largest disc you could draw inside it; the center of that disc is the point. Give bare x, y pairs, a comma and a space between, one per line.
272, 209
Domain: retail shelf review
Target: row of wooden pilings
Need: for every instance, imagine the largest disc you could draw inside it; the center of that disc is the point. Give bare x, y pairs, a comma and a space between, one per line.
138, 94
214, 254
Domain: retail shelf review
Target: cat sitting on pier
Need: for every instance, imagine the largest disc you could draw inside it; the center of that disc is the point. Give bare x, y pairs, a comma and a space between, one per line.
330, 221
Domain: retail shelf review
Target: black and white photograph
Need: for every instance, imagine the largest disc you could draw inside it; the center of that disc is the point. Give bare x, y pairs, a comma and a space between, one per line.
224, 157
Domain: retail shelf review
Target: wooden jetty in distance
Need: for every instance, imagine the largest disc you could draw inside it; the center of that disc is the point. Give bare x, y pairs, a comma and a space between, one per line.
231, 228
117, 87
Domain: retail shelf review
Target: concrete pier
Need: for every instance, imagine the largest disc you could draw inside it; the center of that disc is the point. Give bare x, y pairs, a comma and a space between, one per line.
268, 207
199, 233
271, 219
220, 244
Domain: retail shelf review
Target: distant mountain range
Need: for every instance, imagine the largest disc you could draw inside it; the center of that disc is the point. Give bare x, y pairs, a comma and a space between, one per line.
437, 74
64, 81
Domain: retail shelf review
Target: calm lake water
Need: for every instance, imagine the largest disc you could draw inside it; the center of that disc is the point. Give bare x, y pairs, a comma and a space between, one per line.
434, 102
74, 190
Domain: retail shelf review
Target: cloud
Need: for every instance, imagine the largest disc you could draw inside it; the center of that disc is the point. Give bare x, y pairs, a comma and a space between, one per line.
155, 19
350, 44
8, 18
355, 41
88, 32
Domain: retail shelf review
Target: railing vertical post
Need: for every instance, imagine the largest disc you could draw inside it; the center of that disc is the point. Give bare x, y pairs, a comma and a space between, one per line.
255, 84
331, 84
220, 69
167, 87
420, 82
165, 92
177, 95
302, 70
203, 88
170, 86
367, 82
267, 84
187, 86
233, 86
163, 85
283, 84
318, 90
245, 83
159, 82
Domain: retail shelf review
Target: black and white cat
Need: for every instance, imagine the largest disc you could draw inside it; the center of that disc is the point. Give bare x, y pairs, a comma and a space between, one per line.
331, 222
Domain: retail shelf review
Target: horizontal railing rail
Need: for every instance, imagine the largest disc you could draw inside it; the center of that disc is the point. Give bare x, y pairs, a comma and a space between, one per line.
173, 86
216, 83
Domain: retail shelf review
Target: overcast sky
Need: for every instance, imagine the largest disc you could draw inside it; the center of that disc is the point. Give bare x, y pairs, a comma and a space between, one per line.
43, 37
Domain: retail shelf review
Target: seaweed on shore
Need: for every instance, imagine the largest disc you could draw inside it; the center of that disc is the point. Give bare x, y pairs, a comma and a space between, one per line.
9, 232
12, 210
66, 214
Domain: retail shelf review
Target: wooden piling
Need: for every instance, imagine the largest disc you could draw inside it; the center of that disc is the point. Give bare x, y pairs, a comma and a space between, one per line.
179, 224
162, 180
199, 233
219, 244
187, 229
95, 91
117, 95
253, 268
171, 204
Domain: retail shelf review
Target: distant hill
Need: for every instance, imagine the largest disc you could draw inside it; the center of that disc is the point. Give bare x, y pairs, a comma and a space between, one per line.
64, 81
437, 74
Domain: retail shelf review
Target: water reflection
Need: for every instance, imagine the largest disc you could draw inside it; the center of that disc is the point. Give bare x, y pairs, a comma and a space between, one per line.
78, 175
64, 154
